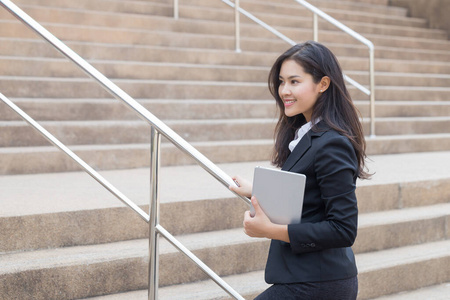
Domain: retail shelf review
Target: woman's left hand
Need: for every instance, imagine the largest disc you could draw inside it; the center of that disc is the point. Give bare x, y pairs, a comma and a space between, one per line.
260, 225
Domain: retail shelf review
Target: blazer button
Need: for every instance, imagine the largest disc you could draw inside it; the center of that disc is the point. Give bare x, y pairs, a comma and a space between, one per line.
303, 245
313, 245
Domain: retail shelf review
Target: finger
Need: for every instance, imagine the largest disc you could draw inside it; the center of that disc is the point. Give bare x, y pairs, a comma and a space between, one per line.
255, 204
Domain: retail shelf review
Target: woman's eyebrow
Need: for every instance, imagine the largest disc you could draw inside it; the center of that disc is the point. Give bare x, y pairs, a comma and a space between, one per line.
291, 77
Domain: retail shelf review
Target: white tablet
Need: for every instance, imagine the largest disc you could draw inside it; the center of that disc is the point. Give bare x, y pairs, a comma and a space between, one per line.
280, 194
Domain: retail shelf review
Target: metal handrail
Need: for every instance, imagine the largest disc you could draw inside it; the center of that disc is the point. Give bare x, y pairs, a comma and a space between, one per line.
328, 18
158, 127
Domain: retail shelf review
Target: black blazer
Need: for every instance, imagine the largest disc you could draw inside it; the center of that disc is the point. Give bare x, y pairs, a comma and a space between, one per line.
319, 248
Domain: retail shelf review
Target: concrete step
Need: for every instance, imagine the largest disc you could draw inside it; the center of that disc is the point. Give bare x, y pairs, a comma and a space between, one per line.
374, 2
122, 266
363, 7
124, 52
386, 109
265, 13
20, 134
31, 160
134, 132
188, 109
105, 220
138, 7
387, 57
59, 202
435, 292
99, 18
42, 87
167, 38
165, 109
386, 273
380, 29
410, 126
209, 10
429, 260
91, 34
42, 67
413, 226
284, 7
70, 273
427, 73
402, 79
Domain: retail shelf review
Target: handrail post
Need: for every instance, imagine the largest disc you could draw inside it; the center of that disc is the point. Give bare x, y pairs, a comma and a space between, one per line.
153, 268
372, 90
237, 26
315, 27
176, 10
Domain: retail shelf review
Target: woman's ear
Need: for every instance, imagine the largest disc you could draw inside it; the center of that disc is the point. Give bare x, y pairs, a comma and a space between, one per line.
324, 84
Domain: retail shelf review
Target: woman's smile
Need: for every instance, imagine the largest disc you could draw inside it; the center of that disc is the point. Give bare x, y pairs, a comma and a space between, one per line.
289, 102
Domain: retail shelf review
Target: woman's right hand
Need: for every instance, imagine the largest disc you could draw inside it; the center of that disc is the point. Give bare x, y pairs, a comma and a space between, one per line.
244, 188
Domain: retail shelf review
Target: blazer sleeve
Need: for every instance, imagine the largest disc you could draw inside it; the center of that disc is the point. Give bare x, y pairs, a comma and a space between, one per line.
335, 165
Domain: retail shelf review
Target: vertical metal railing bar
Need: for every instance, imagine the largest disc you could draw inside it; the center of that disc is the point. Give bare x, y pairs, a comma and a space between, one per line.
372, 91
237, 27
198, 262
155, 230
153, 271
315, 27
94, 174
119, 94
176, 10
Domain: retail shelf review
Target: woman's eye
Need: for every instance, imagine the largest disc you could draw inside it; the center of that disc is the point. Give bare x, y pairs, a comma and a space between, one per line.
294, 82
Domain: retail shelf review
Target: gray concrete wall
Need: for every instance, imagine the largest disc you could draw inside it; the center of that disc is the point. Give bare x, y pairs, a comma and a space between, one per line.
437, 12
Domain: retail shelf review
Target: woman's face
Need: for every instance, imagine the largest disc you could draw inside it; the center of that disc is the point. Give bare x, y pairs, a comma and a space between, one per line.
297, 90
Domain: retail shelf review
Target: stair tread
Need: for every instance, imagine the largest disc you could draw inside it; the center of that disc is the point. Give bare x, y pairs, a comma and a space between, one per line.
172, 122
366, 263
369, 261
435, 292
20, 261
404, 255
403, 215
55, 192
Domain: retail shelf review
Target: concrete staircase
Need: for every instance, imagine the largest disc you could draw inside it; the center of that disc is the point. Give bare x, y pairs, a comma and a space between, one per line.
63, 237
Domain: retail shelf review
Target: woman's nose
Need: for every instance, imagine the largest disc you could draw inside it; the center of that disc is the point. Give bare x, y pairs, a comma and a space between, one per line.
285, 90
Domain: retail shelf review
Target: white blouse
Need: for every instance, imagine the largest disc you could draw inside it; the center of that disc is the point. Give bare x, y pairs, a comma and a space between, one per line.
300, 133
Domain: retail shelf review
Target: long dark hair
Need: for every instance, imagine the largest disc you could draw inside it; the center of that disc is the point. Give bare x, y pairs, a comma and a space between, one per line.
334, 106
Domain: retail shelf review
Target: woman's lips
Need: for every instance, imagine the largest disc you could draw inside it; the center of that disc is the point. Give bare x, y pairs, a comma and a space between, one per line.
289, 102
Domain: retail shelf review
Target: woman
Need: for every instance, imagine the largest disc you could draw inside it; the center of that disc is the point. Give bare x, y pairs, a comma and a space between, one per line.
318, 134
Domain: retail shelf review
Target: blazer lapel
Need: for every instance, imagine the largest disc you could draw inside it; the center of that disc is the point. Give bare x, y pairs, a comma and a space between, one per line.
302, 147
297, 153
